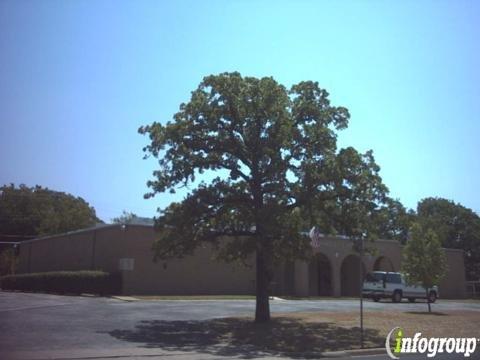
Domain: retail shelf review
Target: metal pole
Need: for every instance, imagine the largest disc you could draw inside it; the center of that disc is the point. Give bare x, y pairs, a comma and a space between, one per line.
361, 293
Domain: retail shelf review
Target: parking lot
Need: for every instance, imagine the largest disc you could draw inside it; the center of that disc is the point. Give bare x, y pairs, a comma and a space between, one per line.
40, 326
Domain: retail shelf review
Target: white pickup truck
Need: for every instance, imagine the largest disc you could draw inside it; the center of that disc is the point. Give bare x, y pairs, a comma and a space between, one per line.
381, 284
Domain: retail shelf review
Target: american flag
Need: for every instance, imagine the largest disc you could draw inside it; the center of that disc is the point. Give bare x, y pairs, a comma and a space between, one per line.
315, 236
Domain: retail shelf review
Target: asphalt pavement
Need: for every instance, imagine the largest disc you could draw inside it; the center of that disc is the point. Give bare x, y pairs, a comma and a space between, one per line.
43, 326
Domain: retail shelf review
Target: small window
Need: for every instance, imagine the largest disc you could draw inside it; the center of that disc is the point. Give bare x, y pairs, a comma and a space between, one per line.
394, 278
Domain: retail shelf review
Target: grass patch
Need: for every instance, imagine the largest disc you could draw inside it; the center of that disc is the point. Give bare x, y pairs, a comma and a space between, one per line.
470, 301
455, 323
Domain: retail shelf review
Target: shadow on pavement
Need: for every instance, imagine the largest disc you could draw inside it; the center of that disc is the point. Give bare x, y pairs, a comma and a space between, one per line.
242, 337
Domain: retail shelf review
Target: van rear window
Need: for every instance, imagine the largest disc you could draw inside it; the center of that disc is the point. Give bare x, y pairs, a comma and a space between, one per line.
374, 277
394, 278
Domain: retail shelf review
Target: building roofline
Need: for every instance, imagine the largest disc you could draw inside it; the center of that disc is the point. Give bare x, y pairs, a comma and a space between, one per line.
91, 228
344, 237
107, 226
453, 250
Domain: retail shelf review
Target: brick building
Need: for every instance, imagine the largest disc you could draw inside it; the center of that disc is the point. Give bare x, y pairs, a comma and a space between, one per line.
334, 271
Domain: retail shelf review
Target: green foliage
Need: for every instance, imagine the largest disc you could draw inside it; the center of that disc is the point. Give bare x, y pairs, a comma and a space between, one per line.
423, 260
457, 227
8, 262
355, 198
70, 282
276, 172
40, 211
125, 218
131, 218
278, 149
393, 221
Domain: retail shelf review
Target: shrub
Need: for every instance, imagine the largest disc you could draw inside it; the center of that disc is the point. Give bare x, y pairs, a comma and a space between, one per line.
71, 282
8, 261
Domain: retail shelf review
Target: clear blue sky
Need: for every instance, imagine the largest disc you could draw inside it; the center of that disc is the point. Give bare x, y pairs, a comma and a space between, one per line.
77, 78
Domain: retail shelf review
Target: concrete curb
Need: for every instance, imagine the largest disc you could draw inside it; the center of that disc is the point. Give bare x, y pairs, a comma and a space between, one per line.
124, 298
131, 298
353, 353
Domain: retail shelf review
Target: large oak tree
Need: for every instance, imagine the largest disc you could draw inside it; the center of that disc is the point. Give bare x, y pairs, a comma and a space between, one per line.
276, 169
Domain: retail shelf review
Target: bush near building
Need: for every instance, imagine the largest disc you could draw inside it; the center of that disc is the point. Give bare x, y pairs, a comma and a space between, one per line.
65, 282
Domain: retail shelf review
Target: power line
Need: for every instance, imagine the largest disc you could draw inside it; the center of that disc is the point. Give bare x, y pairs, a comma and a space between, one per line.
10, 235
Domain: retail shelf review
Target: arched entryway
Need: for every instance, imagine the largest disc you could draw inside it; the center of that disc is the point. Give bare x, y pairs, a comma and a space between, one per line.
351, 276
320, 276
383, 263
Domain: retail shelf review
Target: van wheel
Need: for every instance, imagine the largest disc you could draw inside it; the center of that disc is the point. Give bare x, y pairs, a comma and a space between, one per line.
412, 300
432, 296
397, 296
376, 299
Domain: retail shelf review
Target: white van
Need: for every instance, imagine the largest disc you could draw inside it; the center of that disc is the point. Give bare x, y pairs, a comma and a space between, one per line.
380, 284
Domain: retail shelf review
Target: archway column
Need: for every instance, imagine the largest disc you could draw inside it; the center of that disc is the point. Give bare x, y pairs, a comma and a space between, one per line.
301, 279
336, 279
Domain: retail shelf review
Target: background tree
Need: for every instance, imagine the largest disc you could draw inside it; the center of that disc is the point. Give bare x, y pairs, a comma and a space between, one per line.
131, 218
125, 218
393, 221
26, 211
456, 227
423, 260
272, 164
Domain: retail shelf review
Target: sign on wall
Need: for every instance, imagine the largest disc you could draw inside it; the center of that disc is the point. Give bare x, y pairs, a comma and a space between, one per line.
126, 264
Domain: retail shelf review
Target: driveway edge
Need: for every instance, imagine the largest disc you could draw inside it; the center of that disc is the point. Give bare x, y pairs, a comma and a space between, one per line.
356, 352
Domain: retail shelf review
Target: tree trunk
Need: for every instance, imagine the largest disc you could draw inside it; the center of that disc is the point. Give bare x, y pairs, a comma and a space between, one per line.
428, 302
262, 310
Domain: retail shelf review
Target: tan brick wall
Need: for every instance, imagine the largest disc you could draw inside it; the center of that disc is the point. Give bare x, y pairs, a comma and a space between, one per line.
454, 283
339, 250
101, 249
198, 274
70, 252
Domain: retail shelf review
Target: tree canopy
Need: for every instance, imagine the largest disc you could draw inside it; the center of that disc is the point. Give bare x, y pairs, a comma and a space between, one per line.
456, 227
393, 221
35, 211
270, 167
